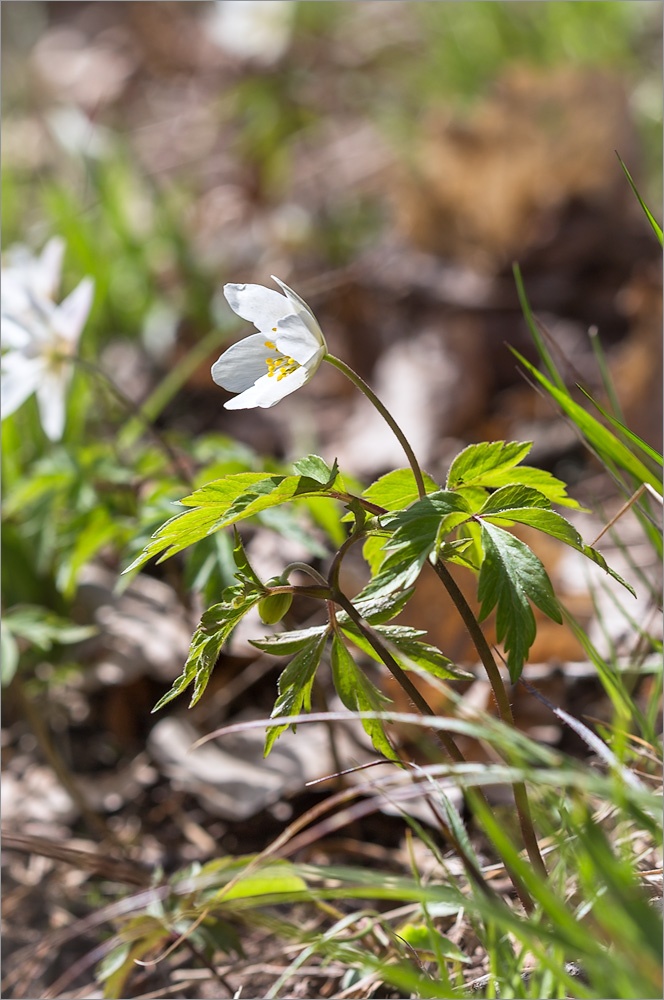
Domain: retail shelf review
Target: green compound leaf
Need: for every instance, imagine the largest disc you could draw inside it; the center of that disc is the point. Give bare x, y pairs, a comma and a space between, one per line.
402, 639
514, 496
398, 489
418, 532
222, 503
510, 575
215, 627
493, 464
289, 642
377, 609
359, 695
549, 522
474, 462
315, 468
295, 686
245, 571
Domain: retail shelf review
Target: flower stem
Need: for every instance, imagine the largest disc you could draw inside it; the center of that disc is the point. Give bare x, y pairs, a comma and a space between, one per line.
502, 701
385, 414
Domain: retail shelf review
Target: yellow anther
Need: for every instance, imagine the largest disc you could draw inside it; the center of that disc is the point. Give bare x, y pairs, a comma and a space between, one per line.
273, 347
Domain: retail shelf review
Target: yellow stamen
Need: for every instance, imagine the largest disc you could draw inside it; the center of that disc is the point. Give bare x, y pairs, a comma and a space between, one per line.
281, 367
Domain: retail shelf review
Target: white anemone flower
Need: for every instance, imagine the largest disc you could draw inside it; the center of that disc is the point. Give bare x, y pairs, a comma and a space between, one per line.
40, 337
282, 357
255, 30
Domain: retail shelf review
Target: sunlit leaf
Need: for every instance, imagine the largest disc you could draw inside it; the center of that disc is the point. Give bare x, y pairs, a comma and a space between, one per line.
358, 694
511, 574
398, 489
295, 686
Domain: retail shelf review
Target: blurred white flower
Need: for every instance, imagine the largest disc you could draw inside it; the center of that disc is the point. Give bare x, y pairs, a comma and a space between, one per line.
279, 359
77, 134
39, 337
259, 30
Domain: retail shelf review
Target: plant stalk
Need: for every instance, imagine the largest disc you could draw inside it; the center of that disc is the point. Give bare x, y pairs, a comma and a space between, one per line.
444, 739
469, 619
502, 701
385, 414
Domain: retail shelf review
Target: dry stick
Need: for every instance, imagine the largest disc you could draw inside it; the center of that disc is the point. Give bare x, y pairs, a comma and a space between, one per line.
502, 701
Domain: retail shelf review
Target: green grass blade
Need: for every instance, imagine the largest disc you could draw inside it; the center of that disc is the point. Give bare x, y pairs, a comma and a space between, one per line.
607, 445
657, 229
625, 431
536, 335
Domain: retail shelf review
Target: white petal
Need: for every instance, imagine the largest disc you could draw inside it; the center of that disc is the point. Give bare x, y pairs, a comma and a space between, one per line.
268, 391
49, 268
14, 333
296, 340
242, 364
20, 377
261, 306
302, 309
51, 401
313, 363
70, 316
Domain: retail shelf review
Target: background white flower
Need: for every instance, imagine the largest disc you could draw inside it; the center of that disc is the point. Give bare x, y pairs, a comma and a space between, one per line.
38, 336
279, 359
258, 30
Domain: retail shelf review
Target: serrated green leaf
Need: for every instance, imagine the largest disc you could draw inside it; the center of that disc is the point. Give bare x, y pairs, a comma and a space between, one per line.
514, 496
406, 640
214, 629
548, 521
418, 531
359, 695
553, 489
510, 575
295, 686
552, 523
269, 493
602, 440
377, 609
490, 465
245, 570
221, 504
289, 642
222, 492
316, 468
398, 489
474, 462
